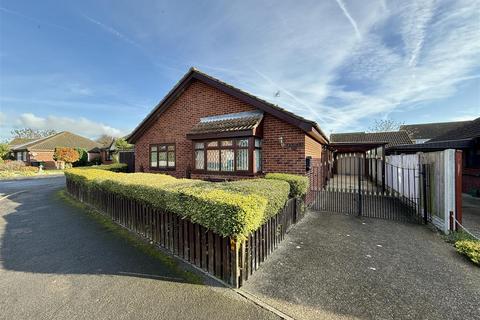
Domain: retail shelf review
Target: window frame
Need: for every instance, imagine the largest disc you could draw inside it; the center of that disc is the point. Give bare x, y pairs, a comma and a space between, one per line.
250, 171
159, 146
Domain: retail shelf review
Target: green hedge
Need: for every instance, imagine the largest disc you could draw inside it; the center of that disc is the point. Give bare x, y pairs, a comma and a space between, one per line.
114, 167
470, 248
229, 209
298, 184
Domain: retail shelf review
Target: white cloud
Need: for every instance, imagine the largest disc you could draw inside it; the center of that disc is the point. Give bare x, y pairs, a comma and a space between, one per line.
81, 126
352, 21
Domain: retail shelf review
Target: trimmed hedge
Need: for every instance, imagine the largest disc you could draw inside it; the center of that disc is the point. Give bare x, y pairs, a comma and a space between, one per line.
114, 167
470, 248
298, 184
229, 209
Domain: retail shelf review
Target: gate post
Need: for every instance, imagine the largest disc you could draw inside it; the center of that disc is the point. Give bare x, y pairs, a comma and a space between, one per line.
359, 186
424, 191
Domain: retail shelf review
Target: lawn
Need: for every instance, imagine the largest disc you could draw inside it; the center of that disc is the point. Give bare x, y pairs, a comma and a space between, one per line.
8, 174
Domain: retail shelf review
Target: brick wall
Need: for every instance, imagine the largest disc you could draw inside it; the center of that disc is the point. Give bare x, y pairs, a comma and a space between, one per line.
200, 100
291, 157
44, 156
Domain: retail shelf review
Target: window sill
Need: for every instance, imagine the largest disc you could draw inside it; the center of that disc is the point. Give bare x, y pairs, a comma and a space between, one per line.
226, 173
162, 169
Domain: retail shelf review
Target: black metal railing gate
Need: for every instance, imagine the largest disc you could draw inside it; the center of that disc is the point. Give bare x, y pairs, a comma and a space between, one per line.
356, 184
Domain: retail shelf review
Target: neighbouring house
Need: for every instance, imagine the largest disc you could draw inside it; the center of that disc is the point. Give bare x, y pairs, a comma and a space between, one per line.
41, 150
423, 132
18, 141
465, 138
207, 129
365, 141
103, 154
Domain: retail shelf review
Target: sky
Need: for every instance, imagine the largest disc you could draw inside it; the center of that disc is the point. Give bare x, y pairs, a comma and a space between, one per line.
99, 67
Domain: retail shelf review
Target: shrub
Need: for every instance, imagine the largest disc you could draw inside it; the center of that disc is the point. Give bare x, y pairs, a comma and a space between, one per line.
82, 158
470, 248
229, 209
68, 155
10, 165
114, 167
4, 151
298, 184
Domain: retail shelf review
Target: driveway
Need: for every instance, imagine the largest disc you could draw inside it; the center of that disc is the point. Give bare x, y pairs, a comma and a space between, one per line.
471, 214
333, 266
56, 262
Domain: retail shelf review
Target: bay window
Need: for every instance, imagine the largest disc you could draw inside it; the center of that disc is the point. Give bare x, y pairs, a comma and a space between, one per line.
162, 156
228, 155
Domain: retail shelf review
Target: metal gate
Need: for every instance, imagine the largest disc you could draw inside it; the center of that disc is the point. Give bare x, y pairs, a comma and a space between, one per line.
356, 184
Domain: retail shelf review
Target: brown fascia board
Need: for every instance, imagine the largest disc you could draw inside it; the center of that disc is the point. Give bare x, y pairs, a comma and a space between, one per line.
173, 94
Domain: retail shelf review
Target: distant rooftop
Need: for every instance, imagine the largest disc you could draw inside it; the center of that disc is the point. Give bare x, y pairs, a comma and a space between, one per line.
431, 130
61, 139
391, 138
468, 130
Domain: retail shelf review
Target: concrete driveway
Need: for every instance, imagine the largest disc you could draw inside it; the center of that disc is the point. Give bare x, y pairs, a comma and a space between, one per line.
58, 263
333, 266
471, 214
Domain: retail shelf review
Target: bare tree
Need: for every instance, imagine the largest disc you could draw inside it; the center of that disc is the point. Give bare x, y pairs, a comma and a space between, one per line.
381, 125
29, 133
105, 140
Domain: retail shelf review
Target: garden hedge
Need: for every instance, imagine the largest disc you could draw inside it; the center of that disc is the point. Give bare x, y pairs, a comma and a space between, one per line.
298, 184
229, 208
114, 167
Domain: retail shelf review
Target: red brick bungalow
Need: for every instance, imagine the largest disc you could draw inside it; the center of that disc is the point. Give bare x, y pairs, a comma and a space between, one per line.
207, 129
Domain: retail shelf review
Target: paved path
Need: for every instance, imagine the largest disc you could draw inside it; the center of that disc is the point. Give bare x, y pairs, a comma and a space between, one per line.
333, 266
57, 263
471, 214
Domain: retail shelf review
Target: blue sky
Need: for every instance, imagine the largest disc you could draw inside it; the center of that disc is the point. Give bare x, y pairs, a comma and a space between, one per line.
95, 67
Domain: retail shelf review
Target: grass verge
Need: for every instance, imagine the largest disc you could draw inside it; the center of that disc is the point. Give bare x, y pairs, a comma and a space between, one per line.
130, 237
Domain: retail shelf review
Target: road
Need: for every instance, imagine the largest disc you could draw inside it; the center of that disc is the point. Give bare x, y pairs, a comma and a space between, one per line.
56, 262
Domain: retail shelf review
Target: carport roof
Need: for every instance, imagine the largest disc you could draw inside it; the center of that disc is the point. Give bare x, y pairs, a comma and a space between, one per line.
343, 147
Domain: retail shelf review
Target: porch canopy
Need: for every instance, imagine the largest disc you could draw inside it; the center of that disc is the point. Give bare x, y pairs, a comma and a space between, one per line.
355, 147
242, 124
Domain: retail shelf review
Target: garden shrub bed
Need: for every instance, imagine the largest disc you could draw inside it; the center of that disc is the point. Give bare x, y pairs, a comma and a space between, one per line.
14, 168
469, 248
232, 209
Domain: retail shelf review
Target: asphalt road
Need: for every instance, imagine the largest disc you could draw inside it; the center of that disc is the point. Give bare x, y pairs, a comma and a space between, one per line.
58, 263
333, 266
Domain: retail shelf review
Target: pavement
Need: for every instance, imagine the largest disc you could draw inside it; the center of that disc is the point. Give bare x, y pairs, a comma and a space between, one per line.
471, 214
333, 266
56, 262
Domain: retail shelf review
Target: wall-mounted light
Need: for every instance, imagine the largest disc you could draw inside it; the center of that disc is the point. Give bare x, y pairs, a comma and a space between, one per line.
281, 142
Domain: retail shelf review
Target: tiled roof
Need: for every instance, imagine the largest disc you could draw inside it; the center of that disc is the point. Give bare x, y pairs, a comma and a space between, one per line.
228, 122
61, 139
18, 141
431, 130
469, 130
308, 126
392, 138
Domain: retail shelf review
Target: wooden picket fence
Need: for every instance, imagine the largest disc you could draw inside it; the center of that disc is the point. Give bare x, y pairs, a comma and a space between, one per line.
224, 257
